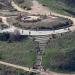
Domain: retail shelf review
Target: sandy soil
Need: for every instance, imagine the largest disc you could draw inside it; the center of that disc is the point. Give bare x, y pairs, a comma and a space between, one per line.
39, 9
54, 73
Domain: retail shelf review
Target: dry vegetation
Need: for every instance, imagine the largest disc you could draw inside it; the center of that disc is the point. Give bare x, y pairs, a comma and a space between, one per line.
25, 4
60, 53
45, 23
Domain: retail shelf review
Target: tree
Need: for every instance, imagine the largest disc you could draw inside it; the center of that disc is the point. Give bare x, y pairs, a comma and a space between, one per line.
14, 35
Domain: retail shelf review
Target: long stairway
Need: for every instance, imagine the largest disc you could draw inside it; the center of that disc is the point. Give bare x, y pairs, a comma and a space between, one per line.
40, 43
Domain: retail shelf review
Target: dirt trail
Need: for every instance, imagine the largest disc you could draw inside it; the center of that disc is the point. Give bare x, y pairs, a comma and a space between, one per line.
17, 67
54, 73
37, 8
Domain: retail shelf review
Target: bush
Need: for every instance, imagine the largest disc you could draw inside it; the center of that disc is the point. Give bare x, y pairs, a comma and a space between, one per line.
4, 36
60, 53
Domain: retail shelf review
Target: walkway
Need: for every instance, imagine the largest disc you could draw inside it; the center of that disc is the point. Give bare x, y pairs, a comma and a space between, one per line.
17, 7
36, 5
34, 33
31, 32
19, 67
40, 44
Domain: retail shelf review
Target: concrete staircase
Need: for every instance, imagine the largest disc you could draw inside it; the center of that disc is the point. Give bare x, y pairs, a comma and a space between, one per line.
40, 43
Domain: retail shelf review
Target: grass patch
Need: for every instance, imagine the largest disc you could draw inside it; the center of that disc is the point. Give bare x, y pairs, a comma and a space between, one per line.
59, 6
20, 53
60, 54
